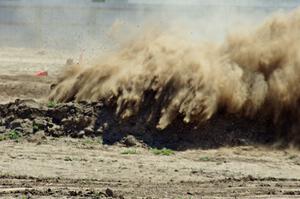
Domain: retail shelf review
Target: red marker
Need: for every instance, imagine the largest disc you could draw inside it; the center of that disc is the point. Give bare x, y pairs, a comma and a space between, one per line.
41, 73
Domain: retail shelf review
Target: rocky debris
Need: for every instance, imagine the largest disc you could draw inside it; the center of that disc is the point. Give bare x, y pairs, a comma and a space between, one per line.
40, 123
109, 192
16, 123
27, 117
54, 130
73, 124
70, 119
129, 141
24, 126
88, 131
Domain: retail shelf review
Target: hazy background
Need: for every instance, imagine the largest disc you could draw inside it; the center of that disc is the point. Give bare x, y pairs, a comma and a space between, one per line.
81, 24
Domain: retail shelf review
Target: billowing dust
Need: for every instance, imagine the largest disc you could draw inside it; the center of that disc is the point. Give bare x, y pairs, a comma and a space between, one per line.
251, 73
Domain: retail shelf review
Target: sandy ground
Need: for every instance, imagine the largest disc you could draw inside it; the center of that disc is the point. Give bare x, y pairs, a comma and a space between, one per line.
45, 167
80, 167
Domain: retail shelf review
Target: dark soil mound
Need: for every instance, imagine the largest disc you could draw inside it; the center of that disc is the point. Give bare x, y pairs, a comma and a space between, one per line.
26, 117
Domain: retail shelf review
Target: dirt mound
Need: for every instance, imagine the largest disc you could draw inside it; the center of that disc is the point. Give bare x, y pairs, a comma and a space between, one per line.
26, 117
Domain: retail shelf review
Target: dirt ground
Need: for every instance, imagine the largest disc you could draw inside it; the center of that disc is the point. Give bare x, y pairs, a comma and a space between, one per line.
84, 168
17, 69
42, 166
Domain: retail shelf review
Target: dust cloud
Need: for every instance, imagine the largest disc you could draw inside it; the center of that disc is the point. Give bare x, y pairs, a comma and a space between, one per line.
252, 72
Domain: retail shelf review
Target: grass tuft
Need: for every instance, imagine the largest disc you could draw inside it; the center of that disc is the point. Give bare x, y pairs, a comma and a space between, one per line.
164, 151
204, 159
14, 135
52, 104
129, 152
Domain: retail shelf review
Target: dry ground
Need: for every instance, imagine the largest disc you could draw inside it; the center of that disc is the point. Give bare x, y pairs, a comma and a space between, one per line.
45, 167
80, 168
17, 69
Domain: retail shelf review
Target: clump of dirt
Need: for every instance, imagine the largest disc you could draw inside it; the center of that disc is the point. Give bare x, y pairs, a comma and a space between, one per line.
27, 117
180, 84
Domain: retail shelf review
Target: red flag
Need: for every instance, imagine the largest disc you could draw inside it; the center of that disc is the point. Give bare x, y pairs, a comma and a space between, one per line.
41, 73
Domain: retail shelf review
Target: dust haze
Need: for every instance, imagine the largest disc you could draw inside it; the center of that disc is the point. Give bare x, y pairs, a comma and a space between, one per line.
251, 72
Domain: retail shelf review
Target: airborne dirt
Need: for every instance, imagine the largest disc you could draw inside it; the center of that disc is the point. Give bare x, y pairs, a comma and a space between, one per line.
114, 147
166, 78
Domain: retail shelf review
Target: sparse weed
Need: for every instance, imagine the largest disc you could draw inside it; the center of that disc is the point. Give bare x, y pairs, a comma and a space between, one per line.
68, 159
24, 197
129, 152
35, 127
3, 137
52, 104
97, 195
14, 135
204, 159
164, 151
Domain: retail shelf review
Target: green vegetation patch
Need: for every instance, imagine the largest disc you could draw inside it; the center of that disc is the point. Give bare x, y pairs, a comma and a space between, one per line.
52, 104
205, 159
164, 151
14, 135
131, 151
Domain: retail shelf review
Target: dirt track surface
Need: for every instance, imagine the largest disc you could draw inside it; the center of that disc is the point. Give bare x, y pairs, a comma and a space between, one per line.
17, 69
37, 165
84, 168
